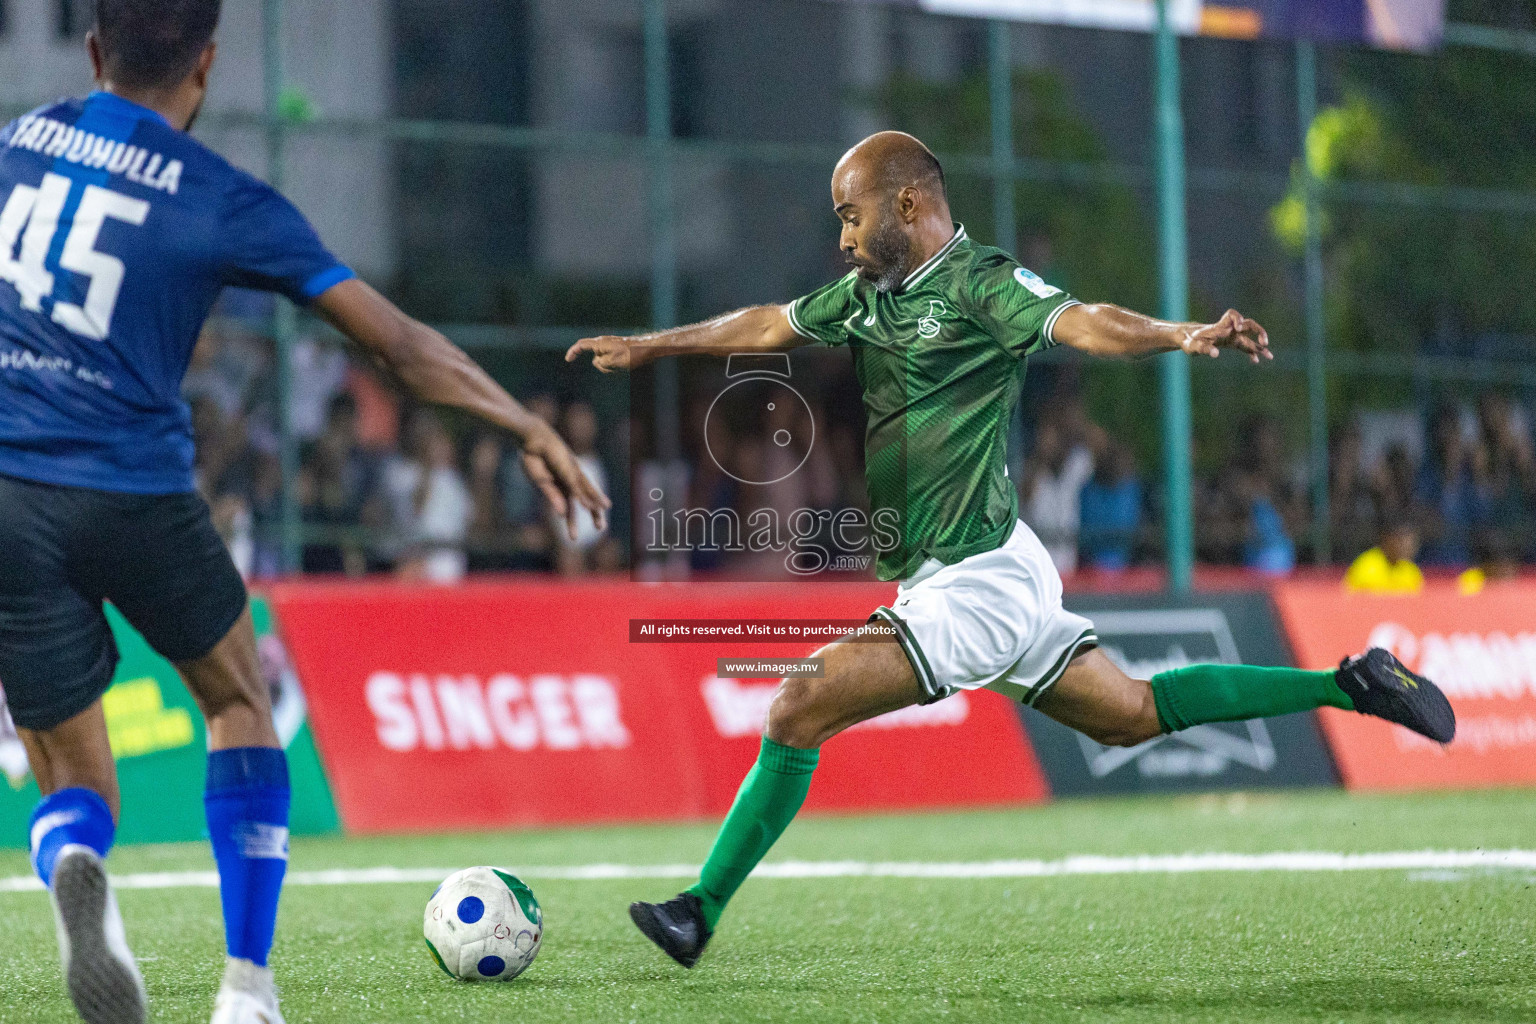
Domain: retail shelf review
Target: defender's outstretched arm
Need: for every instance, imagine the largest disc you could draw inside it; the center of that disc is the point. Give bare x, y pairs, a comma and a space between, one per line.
1113, 332
435, 370
754, 329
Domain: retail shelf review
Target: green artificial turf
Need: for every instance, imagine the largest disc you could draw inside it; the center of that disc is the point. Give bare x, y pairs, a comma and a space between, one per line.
1440, 946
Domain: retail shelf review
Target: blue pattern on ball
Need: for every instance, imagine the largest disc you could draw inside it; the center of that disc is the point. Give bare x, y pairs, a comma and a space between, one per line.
471, 909
491, 966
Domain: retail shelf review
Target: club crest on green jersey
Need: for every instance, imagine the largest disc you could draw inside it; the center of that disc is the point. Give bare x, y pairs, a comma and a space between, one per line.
929, 326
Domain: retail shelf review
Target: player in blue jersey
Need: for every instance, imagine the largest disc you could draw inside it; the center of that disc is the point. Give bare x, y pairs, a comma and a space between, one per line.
117, 233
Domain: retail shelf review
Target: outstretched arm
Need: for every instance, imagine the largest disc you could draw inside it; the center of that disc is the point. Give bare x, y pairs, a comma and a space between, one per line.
1112, 332
434, 370
754, 329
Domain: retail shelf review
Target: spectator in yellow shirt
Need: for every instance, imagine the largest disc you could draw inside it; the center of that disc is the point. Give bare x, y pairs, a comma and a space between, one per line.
1388, 567
1496, 562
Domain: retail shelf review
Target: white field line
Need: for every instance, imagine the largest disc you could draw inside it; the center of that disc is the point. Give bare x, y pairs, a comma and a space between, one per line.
1174, 864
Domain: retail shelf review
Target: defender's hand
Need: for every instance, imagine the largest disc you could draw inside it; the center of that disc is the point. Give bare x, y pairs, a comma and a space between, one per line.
555, 472
609, 353
1233, 331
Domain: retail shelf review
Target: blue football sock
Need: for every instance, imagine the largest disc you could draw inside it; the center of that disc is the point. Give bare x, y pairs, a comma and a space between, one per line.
247, 805
69, 817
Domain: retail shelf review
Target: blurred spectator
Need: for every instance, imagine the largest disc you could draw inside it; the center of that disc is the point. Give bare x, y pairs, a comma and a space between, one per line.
592, 549
1393, 482
430, 504
378, 410
224, 466
1111, 511
336, 481
781, 465
436, 505
1511, 464
221, 441
266, 515
522, 504
1267, 547
232, 518
798, 464
226, 365
508, 528
489, 536
700, 477
1284, 477
1496, 562
1050, 492
1351, 492
1388, 568
845, 444
318, 374
1258, 501
658, 487
1451, 489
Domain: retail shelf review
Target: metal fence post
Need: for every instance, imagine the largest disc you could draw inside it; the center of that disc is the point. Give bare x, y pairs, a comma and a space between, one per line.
1000, 76
658, 123
284, 317
1312, 273
1173, 367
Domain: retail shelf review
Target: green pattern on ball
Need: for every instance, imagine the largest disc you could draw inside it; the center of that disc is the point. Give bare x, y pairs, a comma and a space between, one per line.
438, 958
524, 896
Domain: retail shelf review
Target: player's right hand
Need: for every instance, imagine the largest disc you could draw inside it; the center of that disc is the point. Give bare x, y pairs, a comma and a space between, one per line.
556, 473
609, 352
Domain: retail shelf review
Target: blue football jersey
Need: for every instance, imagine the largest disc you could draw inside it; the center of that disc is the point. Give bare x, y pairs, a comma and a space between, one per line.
117, 233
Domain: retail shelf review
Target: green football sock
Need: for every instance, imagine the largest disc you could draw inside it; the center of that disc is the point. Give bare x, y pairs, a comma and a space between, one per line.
1235, 693
765, 805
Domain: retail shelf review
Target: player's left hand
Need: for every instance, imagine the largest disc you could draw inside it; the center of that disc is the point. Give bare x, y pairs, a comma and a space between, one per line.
556, 473
610, 353
1233, 331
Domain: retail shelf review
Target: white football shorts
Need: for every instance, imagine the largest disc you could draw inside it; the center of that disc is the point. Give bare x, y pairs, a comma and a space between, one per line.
991, 621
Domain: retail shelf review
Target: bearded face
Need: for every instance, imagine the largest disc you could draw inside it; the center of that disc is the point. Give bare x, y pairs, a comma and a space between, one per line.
886, 255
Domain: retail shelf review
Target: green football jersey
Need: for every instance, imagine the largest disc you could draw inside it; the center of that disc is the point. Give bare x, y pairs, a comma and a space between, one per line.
939, 360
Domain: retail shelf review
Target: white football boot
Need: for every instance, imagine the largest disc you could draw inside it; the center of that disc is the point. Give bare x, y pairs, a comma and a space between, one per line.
103, 979
247, 995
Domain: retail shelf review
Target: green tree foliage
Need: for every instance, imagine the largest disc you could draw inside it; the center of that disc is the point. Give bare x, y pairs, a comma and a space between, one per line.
1398, 277
1072, 219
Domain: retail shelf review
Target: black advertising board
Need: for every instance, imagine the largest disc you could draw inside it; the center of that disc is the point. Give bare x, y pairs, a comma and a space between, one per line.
1148, 634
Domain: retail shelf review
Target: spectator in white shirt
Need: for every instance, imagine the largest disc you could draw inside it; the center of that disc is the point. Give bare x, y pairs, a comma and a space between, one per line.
1052, 488
592, 549
430, 503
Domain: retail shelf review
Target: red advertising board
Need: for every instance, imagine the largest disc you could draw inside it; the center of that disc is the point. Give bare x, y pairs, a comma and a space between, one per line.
966, 749
499, 704
1480, 649
463, 707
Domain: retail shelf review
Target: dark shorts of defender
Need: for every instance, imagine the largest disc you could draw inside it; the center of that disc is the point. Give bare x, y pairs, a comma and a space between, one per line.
65, 550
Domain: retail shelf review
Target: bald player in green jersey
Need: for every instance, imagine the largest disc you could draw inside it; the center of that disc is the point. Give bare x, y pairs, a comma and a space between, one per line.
938, 326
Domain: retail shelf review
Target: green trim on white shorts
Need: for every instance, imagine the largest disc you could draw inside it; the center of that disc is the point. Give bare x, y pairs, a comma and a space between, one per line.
1086, 641
920, 667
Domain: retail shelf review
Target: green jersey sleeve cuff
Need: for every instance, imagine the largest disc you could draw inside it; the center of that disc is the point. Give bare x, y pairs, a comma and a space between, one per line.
1048, 331
796, 326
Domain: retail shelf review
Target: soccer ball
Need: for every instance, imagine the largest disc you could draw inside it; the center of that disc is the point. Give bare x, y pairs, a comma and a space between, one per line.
483, 924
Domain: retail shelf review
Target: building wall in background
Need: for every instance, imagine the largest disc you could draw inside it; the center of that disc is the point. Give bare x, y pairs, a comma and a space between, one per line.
463, 212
